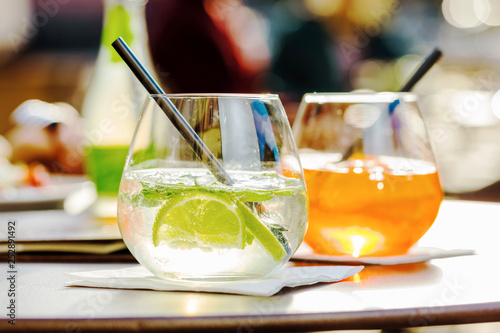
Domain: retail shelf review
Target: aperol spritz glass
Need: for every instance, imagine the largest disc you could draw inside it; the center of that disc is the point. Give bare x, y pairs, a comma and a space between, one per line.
372, 180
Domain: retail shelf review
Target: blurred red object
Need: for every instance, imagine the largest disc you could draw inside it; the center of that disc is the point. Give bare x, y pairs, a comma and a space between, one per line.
207, 46
38, 175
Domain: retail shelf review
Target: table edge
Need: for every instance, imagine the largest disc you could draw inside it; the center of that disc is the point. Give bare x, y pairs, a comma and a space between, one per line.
367, 319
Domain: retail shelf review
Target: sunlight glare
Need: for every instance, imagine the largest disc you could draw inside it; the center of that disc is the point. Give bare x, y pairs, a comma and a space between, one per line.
357, 245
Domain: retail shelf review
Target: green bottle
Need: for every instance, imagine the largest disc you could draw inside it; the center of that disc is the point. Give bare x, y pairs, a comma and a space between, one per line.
112, 104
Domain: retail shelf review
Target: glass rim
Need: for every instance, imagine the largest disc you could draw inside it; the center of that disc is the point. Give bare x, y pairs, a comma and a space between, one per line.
217, 95
359, 97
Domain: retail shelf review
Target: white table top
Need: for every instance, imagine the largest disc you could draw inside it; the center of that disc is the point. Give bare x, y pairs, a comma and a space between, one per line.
442, 291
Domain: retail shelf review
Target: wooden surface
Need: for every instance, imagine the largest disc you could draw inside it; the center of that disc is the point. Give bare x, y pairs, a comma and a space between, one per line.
444, 291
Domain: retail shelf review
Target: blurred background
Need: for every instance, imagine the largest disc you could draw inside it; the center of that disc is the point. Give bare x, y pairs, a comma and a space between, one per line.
48, 50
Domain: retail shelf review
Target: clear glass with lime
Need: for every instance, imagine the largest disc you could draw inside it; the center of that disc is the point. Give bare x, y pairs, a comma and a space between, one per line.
183, 222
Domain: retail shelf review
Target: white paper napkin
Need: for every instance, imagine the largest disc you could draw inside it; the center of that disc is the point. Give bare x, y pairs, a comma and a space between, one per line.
138, 277
414, 255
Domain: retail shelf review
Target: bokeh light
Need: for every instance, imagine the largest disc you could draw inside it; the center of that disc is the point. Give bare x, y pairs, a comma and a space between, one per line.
493, 17
460, 13
471, 13
324, 8
370, 11
375, 75
495, 104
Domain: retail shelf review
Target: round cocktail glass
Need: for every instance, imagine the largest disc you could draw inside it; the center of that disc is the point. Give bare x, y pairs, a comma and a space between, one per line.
371, 177
180, 222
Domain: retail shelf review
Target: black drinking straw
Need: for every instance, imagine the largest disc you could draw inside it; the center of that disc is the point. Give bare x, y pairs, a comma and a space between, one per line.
419, 73
422, 70
171, 111
431, 59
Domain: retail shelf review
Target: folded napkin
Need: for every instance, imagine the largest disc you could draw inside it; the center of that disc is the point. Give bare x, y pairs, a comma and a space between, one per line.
414, 255
138, 277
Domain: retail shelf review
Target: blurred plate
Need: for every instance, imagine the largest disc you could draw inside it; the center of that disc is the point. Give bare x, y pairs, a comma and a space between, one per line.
62, 188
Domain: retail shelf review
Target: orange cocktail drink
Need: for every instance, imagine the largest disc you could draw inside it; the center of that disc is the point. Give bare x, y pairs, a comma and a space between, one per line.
370, 172
369, 206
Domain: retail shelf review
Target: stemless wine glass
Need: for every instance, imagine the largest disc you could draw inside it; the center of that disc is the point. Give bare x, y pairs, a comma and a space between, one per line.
181, 223
371, 177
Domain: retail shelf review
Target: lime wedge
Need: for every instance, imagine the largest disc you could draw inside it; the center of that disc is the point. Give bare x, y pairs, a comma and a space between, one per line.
211, 220
263, 234
199, 218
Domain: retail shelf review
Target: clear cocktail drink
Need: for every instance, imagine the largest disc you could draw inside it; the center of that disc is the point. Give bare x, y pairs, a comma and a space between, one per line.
236, 211
182, 224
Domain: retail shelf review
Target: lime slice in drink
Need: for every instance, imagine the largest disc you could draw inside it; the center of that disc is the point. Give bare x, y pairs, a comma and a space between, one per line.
211, 220
201, 218
263, 234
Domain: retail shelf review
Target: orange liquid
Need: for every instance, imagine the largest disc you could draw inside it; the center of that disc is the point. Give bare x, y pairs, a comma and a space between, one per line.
370, 207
